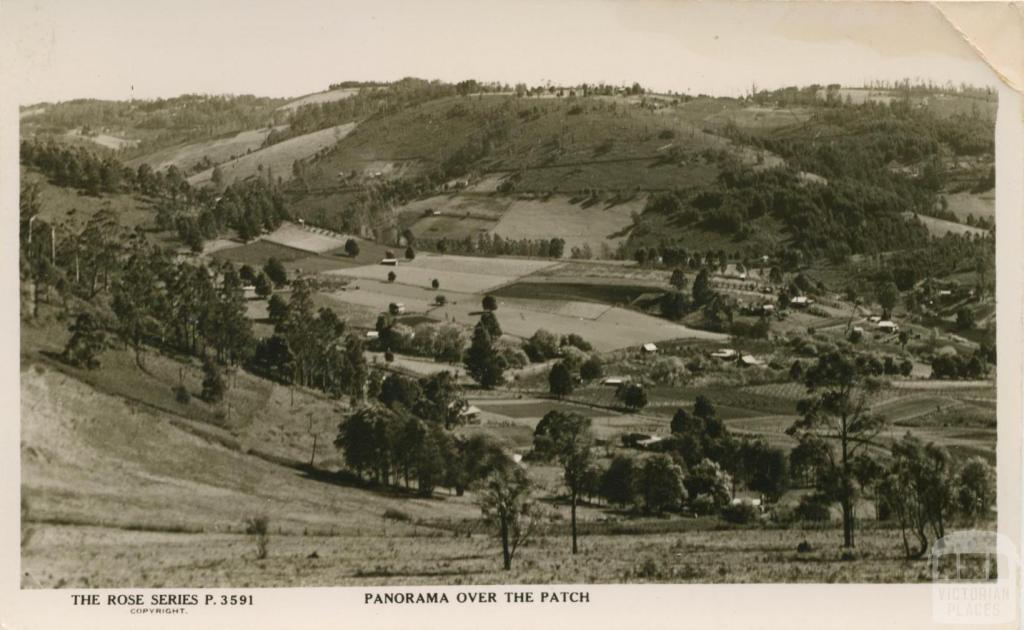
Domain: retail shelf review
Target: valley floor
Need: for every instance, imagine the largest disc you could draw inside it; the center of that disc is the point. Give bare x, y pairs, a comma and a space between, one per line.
120, 495
98, 557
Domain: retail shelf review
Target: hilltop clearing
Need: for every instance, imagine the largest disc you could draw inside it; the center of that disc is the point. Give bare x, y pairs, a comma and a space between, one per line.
317, 98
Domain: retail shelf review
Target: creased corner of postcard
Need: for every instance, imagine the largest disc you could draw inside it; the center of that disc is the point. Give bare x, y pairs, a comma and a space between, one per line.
994, 31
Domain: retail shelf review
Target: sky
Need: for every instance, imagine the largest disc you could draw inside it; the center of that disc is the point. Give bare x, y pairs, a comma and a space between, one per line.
115, 49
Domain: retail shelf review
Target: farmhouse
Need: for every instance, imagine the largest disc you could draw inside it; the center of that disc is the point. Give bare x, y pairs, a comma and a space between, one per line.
649, 348
389, 261
372, 334
614, 381
724, 354
801, 301
749, 360
887, 326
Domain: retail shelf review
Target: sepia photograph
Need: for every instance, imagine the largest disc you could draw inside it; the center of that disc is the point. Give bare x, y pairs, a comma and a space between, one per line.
449, 295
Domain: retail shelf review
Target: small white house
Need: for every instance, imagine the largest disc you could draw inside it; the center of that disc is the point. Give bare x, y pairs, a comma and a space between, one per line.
767, 308
613, 381
372, 334
724, 354
389, 261
648, 442
756, 503
649, 348
801, 301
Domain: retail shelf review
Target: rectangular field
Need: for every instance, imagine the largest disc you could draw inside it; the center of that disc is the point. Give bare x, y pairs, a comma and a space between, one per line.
258, 252
314, 240
460, 274
457, 227
941, 227
965, 203
460, 282
557, 217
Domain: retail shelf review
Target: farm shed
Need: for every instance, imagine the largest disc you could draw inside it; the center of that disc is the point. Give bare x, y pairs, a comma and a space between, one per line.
471, 414
613, 381
389, 261
648, 442
372, 334
649, 348
724, 353
801, 301
735, 271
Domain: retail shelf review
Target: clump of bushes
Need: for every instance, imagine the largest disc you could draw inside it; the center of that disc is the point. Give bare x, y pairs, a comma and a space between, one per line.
813, 508
396, 515
259, 528
181, 395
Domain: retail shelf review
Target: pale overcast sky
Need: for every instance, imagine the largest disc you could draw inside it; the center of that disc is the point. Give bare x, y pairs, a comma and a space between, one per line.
62, 49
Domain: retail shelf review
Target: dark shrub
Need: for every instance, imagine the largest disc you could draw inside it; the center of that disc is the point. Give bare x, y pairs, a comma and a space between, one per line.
739, 513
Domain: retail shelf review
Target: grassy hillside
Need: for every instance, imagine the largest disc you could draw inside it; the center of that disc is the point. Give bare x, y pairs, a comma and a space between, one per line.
198, 156
151, 125
275, 162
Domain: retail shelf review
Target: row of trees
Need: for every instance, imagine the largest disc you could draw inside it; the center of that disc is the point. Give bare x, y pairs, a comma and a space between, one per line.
494, 245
